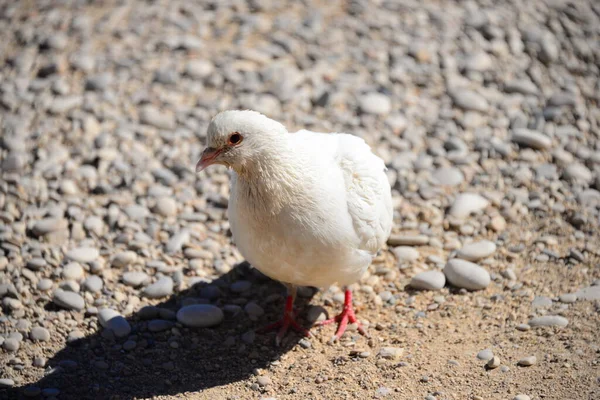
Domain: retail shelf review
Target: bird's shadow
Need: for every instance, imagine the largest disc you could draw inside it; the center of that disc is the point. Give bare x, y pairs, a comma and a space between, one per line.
178, 359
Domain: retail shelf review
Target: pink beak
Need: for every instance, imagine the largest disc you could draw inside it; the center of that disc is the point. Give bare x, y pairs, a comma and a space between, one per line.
209, 157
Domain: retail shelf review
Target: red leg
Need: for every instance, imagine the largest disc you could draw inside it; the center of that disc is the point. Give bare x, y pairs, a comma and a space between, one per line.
346, 316
288, 320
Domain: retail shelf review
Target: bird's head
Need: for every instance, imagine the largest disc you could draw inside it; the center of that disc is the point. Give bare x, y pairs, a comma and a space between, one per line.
237, 138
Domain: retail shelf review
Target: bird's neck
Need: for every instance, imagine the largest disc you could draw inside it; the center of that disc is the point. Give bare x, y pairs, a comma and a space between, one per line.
271, 180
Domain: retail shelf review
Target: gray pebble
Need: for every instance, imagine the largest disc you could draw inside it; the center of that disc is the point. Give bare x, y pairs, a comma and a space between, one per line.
135, 278
527, 361
468, 100
49, 225
11, 344
68, 300
466, 204
159, 325
200, 316
39, 333
73, 271
375, 103
93, 284
112, 320
477, 250
448, 176
428, 280
485, 355
123, 259
467, 275
530, 138
254, 310
161, 288
6, 383
83, 254
549, 320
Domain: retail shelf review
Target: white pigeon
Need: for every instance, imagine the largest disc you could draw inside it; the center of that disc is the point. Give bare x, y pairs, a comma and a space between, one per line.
306, 208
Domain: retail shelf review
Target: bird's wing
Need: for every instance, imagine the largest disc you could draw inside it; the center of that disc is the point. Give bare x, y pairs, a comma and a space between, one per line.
368, 193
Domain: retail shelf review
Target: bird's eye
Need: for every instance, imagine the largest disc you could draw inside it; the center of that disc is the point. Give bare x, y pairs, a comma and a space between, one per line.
235, 138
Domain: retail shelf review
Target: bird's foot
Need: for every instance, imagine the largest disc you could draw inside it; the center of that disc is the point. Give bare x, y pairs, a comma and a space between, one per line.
285, 323
346, 316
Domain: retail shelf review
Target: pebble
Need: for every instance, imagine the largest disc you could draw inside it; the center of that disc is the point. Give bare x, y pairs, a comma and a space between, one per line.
541, 302
32, 391
161, 288
6, 383
375, 103
73, 271
166, 206
36, 264
200, 316
264, 380
83, 254
406, 254
527, 361
530, 138
135, 278
391, 353
521, 397
68, 300
92, 284
485, 355
493, 363
399, 240
111, 319
549, 320
477, 250
468, 100
448, 176
589, 293
240, 286
428, 280
159, 325
11, 344
49, 225
253, 310
124, 259
466, 204
39, 333
467, 275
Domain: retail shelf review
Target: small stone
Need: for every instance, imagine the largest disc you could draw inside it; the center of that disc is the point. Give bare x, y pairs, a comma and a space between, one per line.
135, 278
11, 344
530, 138
39, 361
498, 223
521, 397
112, 320
45, 284
391, 353
589, 293
68, 300
399, 240
166, 206
39, 333
264, 380
467, 275
240, 286
150, 115
477, 250
32, 391
541, 302
466, 204
123, 259
468, 100
73, 271
129, 345
406, 254
161, 288
6, 383
493, 363
36, 264
375, 103
527, 361
49, 225
200, 316
549, 320
93, 284
523, 327
176, 242
254, 310
448, 176
83, 254
428, 280
159, 325
485, 355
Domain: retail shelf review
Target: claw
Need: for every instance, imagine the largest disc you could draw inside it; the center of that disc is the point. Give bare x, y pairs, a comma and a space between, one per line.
346, 316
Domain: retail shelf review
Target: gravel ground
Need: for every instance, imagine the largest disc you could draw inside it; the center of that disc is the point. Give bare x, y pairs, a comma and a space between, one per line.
118, 278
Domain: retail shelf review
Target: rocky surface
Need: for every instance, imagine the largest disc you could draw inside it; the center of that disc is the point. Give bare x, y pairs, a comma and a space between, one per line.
118, 276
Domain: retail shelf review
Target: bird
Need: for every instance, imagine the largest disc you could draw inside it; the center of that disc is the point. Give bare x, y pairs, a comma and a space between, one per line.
305, 208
